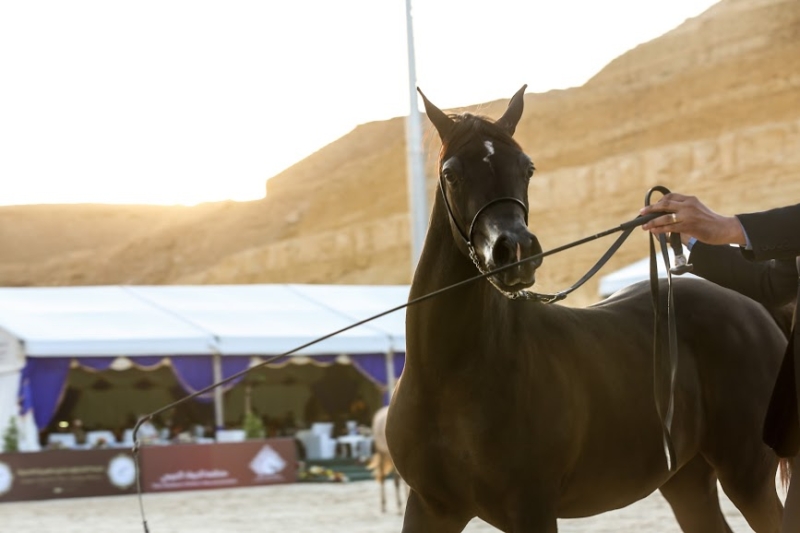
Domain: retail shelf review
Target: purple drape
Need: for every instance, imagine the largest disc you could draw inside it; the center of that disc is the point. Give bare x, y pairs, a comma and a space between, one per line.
147, 362
196, 372
46, 379
319, 359
374, 367
25, 398
95, 363
233, 365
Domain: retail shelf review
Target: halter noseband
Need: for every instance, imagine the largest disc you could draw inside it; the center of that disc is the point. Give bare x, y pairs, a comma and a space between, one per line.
467, 238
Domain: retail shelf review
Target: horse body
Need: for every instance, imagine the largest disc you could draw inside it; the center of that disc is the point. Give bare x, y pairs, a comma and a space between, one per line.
520, 413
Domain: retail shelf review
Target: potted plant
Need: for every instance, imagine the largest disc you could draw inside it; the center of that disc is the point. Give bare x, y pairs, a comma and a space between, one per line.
253, 426
11, 437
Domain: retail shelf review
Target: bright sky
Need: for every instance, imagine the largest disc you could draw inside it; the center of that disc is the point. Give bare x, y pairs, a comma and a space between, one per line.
186, 101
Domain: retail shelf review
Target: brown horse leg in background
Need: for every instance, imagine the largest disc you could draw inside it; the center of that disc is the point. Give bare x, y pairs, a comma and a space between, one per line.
381, 463
382, 466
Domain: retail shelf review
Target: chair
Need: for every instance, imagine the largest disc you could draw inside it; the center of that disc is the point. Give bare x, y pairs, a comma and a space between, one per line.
351, 445
62, 440
94, 438
322, 428
127, 437
230, 435
364, 448
327, 444
318, 441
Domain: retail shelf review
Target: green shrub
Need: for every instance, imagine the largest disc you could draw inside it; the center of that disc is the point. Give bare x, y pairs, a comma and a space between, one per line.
253, 426
11, 436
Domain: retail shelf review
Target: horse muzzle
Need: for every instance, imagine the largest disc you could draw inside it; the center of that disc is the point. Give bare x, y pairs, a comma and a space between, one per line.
507, 249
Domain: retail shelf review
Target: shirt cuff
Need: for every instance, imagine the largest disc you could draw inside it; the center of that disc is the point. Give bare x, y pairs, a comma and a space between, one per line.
748, 245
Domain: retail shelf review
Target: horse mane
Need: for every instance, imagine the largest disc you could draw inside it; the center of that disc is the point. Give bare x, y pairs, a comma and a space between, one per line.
467, 127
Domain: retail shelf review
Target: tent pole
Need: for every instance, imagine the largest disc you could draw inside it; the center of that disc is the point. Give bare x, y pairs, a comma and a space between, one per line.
391, 379
219, 419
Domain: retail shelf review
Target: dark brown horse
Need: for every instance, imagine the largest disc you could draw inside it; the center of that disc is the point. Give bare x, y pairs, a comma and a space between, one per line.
519, 412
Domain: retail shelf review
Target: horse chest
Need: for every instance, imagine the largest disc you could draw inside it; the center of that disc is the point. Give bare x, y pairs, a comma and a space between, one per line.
444, 463
449, 440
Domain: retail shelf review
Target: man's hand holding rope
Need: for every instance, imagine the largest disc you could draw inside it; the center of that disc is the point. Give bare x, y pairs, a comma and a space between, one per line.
691, 218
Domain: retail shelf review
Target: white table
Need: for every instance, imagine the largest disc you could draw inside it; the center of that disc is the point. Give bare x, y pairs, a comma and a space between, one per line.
358, 446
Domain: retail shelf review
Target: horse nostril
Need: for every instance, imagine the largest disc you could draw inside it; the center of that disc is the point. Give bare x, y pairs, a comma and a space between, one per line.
536, 249
504, 251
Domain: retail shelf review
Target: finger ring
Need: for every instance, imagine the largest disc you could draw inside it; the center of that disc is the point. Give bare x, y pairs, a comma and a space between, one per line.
673, 217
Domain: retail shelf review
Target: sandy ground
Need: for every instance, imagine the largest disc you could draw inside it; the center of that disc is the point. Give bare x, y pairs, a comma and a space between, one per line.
298, 508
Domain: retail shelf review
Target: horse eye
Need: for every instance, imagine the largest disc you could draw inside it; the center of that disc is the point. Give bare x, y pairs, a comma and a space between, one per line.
448, 174
530, 170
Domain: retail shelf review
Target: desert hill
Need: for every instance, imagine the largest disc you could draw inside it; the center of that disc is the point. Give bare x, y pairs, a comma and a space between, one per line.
711, 108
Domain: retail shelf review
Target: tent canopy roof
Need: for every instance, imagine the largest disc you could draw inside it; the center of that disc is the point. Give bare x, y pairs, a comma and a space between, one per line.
192, 320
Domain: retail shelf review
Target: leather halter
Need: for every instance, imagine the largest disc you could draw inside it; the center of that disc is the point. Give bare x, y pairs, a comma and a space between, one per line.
473, 255
467, 237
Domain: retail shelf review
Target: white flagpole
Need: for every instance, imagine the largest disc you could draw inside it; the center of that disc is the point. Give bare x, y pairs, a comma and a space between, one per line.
417, 193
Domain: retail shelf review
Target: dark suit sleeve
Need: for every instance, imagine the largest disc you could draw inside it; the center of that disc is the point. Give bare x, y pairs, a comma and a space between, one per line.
773, 234
772, 283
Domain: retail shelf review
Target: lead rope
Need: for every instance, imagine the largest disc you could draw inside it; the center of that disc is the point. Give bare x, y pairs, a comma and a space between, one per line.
626, 228
525, 294
665, 366
560, 295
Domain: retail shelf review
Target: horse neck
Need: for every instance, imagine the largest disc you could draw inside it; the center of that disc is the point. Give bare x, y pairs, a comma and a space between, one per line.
442, 262
455, 314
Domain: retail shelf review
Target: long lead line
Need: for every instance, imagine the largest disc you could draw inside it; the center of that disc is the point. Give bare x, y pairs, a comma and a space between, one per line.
638, 221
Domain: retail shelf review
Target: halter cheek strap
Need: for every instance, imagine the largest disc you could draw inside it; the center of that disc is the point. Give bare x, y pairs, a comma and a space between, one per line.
526, 294
467, 237
473, 255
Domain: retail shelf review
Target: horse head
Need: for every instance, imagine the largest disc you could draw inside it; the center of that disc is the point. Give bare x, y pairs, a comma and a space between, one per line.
483, 178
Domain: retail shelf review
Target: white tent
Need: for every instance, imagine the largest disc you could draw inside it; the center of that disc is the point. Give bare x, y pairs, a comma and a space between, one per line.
12, 360
361, 302
272, 319
214, 320
89, 321
633, 273
208, 319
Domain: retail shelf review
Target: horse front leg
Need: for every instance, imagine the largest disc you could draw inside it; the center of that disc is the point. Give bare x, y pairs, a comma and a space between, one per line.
531, 514
427, 517
533, 523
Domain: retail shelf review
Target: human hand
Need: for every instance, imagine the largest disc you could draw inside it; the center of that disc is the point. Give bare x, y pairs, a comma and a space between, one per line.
691, 218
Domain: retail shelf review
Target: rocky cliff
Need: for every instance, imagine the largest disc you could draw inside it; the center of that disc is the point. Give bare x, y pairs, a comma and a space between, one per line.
712, 108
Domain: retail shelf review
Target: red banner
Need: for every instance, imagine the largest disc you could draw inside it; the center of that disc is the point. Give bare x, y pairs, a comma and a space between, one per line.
66, 474
210, 466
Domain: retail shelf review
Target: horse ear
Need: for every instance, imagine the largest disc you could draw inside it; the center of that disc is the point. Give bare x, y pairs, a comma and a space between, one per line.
441, 122
512, 115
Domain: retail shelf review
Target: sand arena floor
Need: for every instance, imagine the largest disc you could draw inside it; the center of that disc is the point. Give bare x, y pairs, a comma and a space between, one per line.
297, 508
